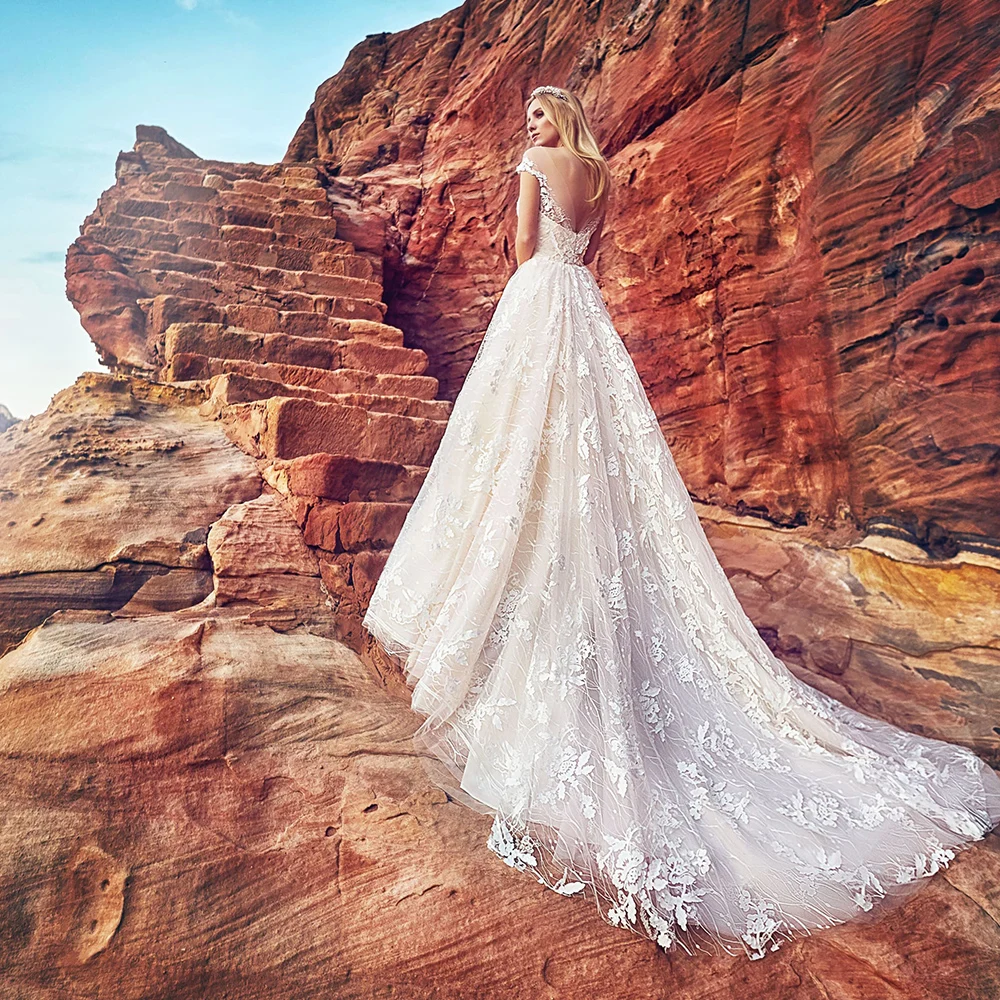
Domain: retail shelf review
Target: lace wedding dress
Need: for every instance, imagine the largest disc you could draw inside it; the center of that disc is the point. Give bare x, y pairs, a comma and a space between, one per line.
590, 678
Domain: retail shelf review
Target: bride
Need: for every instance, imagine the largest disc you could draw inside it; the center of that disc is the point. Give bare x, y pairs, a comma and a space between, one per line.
587, 673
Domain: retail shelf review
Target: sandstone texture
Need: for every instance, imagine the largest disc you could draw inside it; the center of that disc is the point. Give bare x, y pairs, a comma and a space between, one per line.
106, 498
210, 788
200, 807
801, 255
890, 634
7, 419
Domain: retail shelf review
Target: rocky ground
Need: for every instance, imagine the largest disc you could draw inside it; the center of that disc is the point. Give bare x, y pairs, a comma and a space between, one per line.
208, 794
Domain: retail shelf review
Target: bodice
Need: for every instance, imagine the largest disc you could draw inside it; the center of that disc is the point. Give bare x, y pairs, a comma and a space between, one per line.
556, 237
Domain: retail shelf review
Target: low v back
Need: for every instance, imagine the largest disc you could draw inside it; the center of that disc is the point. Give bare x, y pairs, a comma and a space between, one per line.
557, 238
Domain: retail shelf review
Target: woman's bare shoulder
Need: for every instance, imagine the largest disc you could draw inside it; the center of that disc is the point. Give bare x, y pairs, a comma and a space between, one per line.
551, 153
538, 155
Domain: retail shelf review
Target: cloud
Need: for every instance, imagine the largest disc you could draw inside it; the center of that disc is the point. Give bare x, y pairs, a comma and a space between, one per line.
237, 20
20, 147
45, 257
226, 13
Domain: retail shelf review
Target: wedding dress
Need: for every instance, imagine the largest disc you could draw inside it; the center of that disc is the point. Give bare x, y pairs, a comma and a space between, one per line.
591, 680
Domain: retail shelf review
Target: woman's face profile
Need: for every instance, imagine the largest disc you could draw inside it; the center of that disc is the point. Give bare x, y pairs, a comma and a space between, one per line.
541, 131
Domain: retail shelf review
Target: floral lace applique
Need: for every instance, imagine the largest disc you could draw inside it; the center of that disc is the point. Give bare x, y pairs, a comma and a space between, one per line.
582, 660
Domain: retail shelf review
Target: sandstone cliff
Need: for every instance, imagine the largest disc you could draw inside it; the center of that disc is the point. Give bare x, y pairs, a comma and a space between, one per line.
7, 419
210, 786
802, 255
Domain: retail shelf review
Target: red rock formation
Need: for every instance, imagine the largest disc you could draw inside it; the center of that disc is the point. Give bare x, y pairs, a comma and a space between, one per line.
197, 807
802, 254
233, 280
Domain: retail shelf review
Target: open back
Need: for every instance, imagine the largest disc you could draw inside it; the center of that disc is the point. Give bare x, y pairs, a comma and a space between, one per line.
557, 237
566, 185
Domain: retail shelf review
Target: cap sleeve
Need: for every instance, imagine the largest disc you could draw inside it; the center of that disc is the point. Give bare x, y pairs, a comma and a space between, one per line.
526, 166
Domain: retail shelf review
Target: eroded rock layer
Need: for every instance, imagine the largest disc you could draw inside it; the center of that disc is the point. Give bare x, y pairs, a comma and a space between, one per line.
105, 500
802, 252
232, 280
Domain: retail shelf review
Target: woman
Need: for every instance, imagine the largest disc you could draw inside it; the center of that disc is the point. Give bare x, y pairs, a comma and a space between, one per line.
584, 666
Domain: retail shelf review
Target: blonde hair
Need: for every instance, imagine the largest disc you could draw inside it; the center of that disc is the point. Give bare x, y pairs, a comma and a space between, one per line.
566, 113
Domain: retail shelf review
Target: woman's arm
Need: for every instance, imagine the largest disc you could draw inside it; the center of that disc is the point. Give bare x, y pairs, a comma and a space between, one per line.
595, 241
528, 201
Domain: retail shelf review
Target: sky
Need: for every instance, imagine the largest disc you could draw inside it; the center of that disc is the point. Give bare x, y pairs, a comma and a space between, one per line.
230, 79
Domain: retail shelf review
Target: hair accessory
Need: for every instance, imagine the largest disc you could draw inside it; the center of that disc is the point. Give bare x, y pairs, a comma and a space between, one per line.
555, 91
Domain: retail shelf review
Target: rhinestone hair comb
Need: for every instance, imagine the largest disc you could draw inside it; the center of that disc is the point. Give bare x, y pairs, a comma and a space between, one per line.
555, 91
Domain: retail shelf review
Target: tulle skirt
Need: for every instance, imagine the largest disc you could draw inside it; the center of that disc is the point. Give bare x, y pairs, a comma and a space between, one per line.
589, 677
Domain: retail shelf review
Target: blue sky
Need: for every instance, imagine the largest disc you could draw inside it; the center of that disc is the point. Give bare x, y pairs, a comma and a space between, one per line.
231, 79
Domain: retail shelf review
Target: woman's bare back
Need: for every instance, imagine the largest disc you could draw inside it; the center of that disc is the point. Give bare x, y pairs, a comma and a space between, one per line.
568, 182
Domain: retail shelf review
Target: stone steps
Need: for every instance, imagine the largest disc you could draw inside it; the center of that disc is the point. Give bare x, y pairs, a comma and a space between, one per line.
215, 340
320, 249
241, 210
302, 189
288, 427
163, 310
316, 207
187, 229
192, 286
175, 211
250, 297
328, 476
310, 199
113, 219
286, 258
198, 367
144, 238
193, 188
267, 237
353, 527
273, 254
233, 387
251, 275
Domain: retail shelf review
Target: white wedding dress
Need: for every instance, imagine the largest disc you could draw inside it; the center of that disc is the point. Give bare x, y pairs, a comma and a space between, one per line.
590, 678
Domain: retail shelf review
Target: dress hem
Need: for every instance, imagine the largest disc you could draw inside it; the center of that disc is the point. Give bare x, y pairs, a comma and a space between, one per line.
518, 849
